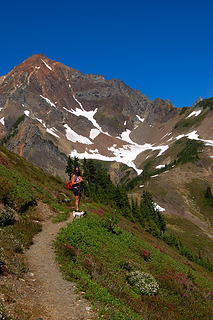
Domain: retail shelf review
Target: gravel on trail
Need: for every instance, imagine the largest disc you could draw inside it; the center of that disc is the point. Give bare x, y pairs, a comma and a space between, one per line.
56, 297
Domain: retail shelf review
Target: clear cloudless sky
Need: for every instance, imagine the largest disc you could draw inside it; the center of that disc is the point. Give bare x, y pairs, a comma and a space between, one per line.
161, 47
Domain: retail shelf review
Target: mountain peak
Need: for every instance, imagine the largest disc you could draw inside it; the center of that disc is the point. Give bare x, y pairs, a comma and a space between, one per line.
36, 60
37, 56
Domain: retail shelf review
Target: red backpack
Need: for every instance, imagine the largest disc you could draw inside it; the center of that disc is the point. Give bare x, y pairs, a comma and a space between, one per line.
69, 185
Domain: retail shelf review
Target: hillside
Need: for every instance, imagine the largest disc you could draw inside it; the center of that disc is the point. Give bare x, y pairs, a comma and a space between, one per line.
178, 181
101, 262
98, 252
28, 197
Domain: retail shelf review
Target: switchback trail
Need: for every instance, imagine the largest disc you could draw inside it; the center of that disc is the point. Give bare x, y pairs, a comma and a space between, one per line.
55, 296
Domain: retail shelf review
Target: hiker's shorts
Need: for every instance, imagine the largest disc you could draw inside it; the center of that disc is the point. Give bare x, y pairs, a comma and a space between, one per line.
76, 190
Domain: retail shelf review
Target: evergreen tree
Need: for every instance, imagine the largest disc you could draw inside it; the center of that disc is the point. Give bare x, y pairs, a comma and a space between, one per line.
89, 171
72, 163
121, 199
153, 219
136, 212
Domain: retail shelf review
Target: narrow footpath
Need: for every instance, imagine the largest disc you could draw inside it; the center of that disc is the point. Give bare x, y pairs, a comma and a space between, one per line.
55, 296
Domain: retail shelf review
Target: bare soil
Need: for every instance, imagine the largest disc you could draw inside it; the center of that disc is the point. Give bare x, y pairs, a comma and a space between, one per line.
52, 296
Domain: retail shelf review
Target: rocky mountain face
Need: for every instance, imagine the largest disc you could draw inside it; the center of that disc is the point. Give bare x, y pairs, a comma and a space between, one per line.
66, 110
49, 111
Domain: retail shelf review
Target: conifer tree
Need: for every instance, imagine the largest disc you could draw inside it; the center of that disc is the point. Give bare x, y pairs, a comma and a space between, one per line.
152, 217
121, 199
72, 163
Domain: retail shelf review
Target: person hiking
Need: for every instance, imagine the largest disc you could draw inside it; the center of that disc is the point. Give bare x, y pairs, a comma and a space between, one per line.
76, 181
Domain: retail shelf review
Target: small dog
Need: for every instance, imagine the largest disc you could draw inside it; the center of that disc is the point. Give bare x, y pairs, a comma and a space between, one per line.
79, 214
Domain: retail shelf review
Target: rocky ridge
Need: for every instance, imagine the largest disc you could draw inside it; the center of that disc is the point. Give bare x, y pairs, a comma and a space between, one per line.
49, 111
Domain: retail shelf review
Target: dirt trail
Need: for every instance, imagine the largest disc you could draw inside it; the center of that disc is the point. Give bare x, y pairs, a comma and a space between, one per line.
55, 296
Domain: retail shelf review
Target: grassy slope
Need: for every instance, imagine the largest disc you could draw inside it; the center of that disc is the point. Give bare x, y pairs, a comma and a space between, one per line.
23, 183
100, 265
22, 187
181, 191
100, 261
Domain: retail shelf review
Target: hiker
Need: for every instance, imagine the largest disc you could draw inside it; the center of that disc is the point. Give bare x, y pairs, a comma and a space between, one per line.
76, 181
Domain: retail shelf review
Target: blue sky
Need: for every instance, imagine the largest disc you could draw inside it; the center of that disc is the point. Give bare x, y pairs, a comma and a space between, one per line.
162, 48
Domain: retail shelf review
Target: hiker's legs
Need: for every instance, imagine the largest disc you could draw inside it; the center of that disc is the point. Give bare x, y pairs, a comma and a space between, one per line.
76, 202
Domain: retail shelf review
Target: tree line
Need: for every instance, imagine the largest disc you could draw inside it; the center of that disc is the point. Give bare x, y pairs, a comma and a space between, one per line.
99, 187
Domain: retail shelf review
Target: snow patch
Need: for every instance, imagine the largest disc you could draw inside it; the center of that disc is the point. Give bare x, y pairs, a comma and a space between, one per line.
167, 134
159, 208
42, 122
46, 64
195, 136
141, 186
89, 115
75, 137
194, 113
208, 142
163, 149
125, 136
80, 104
94, 133
160, 166
104, 158
180, 136
48, 101
2, 121
127, 154
67, 110
27, 113
139, 118
124, 123
156, 175
51, 131
94, 151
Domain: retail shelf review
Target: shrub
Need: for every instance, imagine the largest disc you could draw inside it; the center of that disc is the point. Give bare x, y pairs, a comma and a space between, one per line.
7, 216
143, 282
146, 255
111, 223
189, 122
190, 152
126, 265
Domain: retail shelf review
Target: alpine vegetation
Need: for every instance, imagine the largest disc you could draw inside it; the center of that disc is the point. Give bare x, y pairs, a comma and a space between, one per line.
143, 282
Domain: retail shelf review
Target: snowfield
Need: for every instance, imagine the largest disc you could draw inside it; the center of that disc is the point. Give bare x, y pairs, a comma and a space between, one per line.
194, 113
2, 121
194, 136
75, 137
